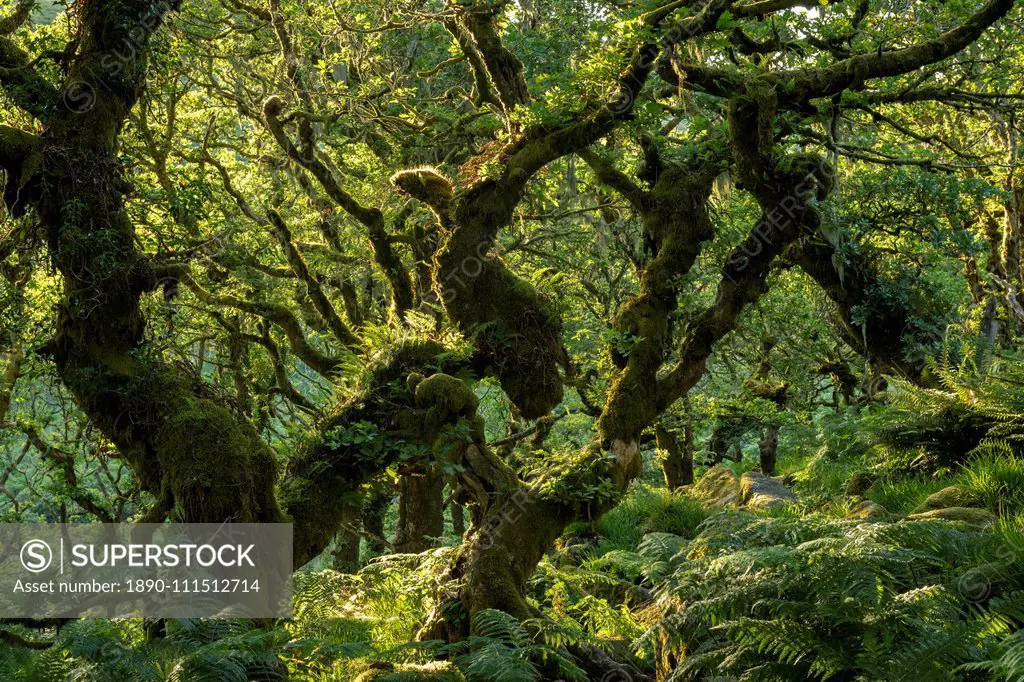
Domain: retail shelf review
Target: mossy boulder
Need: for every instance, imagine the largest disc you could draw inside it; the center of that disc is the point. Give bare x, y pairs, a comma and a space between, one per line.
976, 517
758, 491
858, 484
953, 496
869, 511
431, 672
718, 487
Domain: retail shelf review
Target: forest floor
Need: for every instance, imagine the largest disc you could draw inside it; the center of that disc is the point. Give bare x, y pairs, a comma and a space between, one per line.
835, 569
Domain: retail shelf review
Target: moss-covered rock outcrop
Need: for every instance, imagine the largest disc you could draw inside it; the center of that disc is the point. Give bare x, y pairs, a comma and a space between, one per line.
758, 491
718, 487
950, 496
976, 517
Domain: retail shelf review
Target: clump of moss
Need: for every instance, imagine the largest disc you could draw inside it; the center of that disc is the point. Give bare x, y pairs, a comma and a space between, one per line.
409, 407
446, 395
215, 466
431, 672
518, 334
428, 185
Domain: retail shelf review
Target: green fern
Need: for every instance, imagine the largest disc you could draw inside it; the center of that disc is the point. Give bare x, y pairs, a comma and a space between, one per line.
778, 598
503, 650
927, 428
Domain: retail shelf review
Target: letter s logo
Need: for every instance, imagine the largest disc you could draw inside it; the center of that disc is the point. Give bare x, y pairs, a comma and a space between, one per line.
79, 97
36, 556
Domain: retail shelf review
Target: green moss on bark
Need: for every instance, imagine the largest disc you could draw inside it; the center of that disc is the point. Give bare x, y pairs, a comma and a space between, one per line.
216, 465
410, 409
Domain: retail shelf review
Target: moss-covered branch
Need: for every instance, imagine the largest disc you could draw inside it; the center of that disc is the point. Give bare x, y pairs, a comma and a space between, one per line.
796, 87
882, 336
676, 222
320, 362
371, 218
24, 84
16, 18
323, 305
786, 188
481, 81
284, 382
65, 461
477, 21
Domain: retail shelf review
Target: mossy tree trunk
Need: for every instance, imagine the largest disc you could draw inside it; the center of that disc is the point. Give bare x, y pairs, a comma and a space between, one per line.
1011, 249
191, 452
345, 556
718, 444
375, 510
677, 466
458, 516
420, 512
768, 448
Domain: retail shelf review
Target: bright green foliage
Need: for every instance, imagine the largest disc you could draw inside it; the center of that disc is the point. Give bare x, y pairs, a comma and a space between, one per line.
963, 414
318, 250
815, 599
504, 650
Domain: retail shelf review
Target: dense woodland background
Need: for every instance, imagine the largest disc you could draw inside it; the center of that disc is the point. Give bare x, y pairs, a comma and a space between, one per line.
579, 339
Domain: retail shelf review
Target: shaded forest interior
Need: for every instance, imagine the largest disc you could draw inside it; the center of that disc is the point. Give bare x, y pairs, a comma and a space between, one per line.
576, 339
